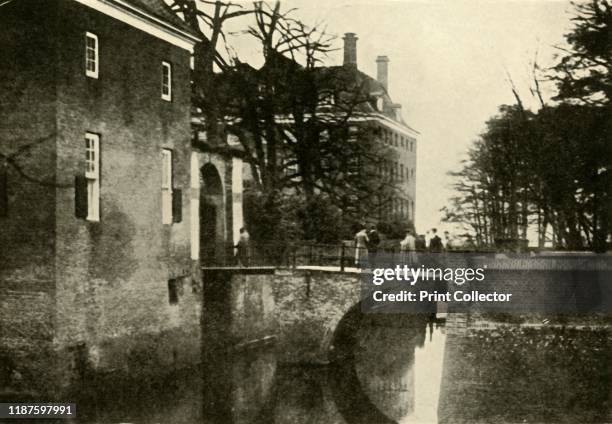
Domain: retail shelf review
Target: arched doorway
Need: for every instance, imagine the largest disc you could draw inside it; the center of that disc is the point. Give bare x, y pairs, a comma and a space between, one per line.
212, 246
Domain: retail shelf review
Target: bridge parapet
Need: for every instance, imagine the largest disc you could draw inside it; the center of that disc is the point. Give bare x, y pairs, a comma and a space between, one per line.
300, 308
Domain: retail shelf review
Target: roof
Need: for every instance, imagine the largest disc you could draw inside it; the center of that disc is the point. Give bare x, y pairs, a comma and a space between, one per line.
350, 78
370, 85
338, 80
160, 10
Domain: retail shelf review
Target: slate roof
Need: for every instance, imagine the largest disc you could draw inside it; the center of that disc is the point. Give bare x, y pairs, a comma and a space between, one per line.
160, 10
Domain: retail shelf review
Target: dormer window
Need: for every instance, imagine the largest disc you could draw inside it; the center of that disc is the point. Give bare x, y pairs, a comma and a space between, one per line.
380, 103
329, 99
91, 55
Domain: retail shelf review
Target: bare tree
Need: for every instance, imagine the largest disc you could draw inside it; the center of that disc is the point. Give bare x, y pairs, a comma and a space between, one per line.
297, 121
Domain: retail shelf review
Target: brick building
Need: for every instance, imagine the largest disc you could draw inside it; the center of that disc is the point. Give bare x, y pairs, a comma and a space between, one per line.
345, 91
393, 131
102, 197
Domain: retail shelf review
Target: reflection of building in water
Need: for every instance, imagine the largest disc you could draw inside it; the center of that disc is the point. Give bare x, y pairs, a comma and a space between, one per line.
252, 379
385, 362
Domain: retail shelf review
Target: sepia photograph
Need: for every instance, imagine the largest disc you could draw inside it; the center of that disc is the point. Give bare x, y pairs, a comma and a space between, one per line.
305, 211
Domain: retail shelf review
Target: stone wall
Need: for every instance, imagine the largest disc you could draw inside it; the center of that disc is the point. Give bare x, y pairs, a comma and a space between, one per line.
114, 277
27, 315
27, 143
27, 165
105, 285
298, 310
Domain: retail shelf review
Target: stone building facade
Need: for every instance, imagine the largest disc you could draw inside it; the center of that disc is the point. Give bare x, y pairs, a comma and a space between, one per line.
101, 192
393, 132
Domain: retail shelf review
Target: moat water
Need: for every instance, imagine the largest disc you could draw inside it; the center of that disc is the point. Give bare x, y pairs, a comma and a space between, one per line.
411, 370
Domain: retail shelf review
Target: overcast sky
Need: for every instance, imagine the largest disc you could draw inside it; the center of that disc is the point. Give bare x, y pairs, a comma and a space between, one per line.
448, 67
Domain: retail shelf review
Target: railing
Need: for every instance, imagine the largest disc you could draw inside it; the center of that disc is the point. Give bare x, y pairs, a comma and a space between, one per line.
291, 255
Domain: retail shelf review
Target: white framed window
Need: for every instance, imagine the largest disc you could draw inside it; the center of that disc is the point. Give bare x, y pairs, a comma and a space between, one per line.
92, 55
92, 174
166, 86
166, 186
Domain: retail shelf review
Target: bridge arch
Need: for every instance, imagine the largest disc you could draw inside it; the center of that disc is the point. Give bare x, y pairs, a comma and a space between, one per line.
358, 367
350, 398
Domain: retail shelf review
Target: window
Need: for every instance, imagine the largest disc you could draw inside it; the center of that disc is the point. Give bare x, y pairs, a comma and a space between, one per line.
173, 291
412, 173
401, 172
166, 186
91, 55
166, 92
92, 175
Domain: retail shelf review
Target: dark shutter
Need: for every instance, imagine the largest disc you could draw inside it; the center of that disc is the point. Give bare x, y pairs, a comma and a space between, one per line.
177, 205
80, 196
173, 296
3, 191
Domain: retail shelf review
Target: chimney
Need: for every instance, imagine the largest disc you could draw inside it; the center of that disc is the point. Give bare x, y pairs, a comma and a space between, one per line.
382, 71
397, 111
350, 49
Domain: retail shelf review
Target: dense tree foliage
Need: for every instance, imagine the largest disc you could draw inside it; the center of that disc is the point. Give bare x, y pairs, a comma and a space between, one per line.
550, 169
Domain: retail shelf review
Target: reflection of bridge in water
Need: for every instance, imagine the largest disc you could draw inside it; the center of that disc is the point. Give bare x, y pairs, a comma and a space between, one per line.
371, 377
292, 345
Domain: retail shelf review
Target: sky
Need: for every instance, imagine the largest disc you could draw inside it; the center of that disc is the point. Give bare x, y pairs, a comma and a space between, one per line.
449, 67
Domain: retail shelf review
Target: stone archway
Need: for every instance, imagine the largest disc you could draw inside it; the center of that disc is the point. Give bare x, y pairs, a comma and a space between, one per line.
212, 216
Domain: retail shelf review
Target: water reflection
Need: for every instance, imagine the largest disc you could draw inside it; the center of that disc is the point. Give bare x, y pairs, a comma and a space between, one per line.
373, 377
428, 367
383, 369
412, 369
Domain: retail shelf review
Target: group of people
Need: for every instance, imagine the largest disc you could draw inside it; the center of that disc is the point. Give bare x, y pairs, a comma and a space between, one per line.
367, 242
429, 242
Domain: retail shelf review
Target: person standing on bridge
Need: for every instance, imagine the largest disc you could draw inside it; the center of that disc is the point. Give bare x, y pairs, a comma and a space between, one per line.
408, 248
243, 248
435, 243
372, 245
361, 243
448, 241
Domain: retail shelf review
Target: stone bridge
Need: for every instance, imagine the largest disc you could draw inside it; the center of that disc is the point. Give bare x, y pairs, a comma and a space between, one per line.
296, 309
300, 309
